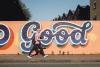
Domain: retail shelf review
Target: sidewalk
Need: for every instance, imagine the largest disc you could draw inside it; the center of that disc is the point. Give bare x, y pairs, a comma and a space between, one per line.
49, 59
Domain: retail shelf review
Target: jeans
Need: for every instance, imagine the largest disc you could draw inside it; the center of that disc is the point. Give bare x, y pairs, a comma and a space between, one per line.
38, 49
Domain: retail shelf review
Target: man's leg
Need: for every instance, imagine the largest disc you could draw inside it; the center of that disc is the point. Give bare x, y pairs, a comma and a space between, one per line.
29, 56
36, 50
31, 51
33, 48
41, 49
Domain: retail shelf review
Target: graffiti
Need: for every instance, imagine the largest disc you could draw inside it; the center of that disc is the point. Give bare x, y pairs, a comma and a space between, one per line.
57, 33
30, 27
6, 37
4, 34
76, 36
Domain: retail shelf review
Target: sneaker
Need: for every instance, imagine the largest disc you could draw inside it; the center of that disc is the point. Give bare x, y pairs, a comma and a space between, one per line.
29, 57
45, 56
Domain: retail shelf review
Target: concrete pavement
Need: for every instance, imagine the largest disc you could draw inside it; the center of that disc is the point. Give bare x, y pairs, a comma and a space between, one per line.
80, 64
50, 59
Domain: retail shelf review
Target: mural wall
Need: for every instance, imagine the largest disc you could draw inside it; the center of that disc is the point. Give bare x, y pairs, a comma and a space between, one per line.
58, 37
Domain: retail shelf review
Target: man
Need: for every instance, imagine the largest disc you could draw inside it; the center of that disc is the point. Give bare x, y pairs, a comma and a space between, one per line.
37, 45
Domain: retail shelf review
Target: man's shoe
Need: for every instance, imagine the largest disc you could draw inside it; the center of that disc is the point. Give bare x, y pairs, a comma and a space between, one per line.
29, 57
45, 56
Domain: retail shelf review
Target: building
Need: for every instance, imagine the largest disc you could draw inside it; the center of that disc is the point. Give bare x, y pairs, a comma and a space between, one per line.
70, 15
95, 9
64, 16
81, 13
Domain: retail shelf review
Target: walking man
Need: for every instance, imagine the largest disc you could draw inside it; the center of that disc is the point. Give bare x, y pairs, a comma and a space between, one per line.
37, 45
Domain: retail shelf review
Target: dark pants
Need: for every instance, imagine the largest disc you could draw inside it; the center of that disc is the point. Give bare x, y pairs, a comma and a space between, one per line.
38, 49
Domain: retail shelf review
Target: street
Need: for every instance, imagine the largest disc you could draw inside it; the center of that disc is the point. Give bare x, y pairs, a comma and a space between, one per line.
50, 61
72, 64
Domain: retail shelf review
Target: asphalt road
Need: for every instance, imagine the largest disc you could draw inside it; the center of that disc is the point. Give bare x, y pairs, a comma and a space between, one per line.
73, 64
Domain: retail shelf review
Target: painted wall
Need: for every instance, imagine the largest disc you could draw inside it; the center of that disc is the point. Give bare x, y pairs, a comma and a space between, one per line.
68, 37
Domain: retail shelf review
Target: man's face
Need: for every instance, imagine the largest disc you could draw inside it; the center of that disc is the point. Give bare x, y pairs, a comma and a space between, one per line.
38, 30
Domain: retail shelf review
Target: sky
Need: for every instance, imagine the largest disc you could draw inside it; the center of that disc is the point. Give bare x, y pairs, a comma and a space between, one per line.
49, 9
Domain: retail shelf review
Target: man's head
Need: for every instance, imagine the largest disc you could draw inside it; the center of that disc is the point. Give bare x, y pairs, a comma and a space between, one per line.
38, 30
